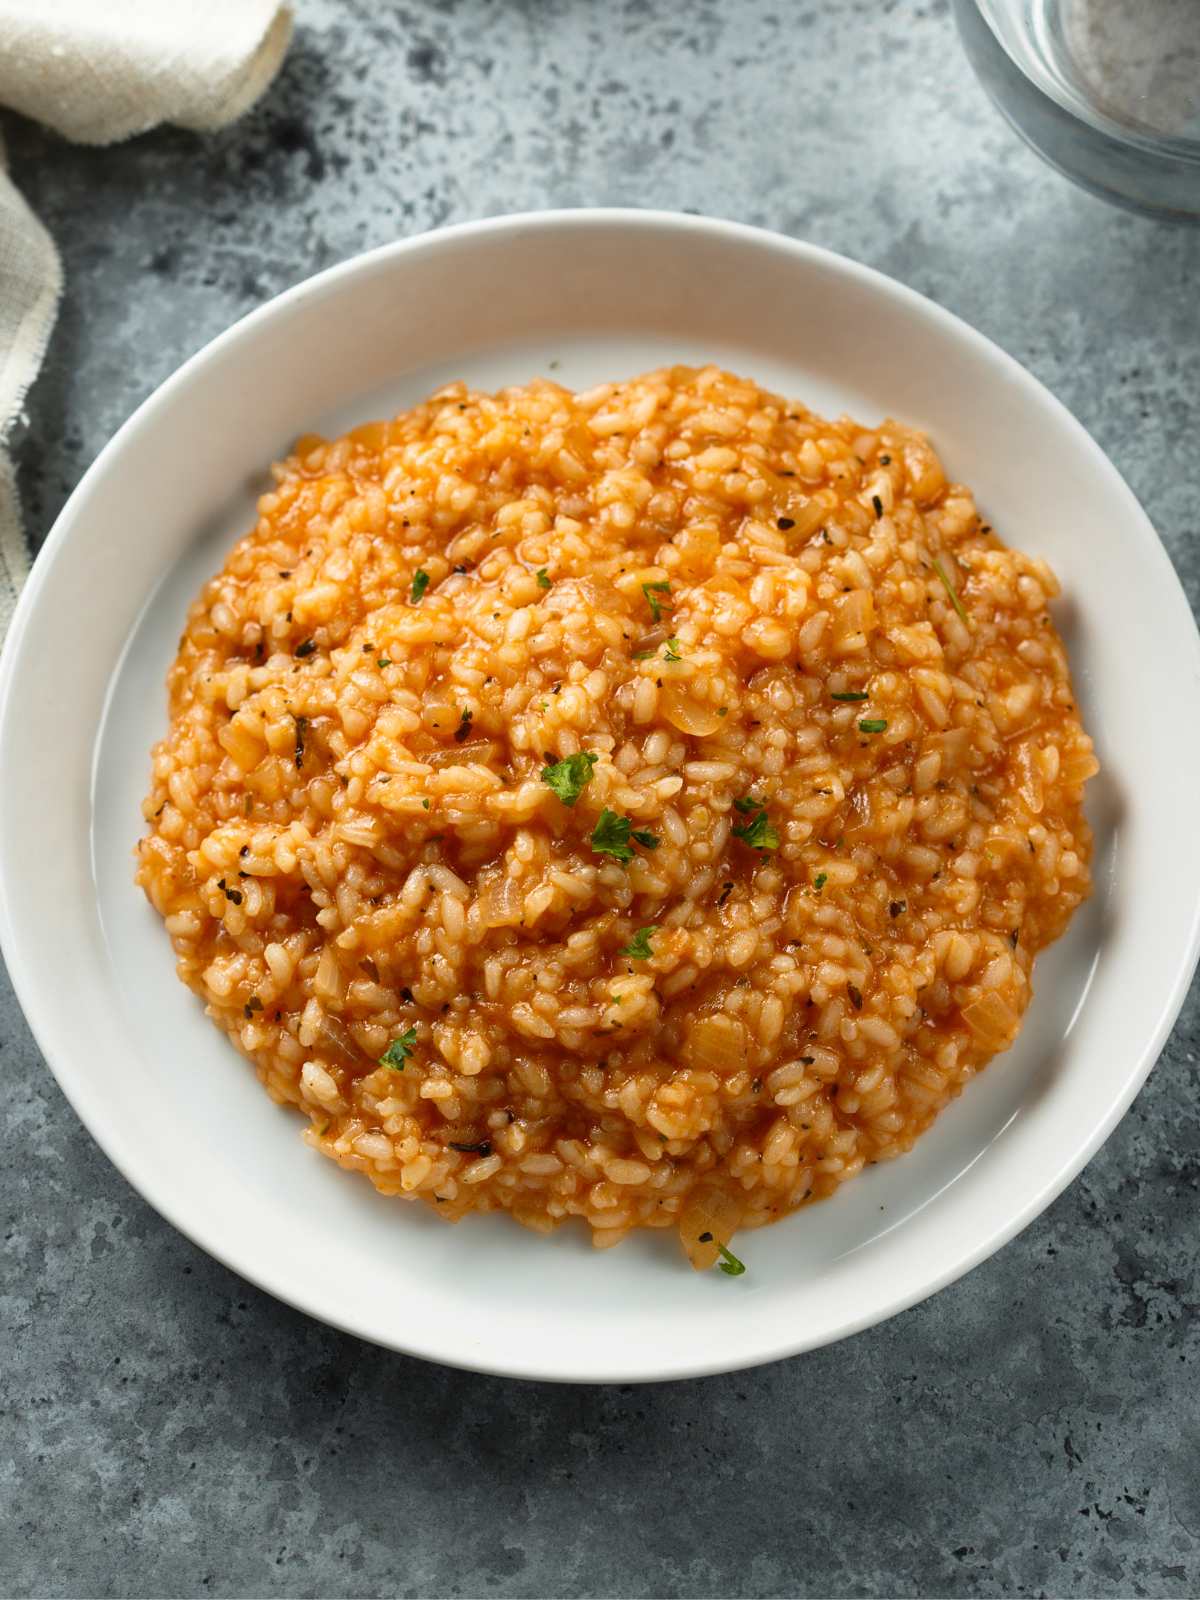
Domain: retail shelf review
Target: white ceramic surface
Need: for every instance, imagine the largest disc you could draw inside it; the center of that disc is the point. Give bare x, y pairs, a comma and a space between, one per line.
586, 295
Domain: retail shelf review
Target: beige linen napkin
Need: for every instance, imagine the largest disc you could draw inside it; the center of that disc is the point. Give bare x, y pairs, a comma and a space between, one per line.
99, 71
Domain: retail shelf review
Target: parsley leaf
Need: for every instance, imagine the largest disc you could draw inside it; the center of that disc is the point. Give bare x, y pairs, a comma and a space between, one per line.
673, 651
951, 591
639, 946
398, 1052
748, 803
419, 585
569, 777
542, 578
610, 836
652, 591
758, 833
819, 882
649, 840
872, 725
729, 1263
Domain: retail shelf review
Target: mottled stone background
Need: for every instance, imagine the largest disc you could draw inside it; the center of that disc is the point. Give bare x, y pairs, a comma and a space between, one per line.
168, 1430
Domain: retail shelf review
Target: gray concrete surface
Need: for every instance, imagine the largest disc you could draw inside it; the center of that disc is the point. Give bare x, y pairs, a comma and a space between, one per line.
168, 1430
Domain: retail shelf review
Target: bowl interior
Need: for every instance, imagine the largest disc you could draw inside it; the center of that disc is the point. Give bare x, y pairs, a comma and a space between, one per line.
581, 299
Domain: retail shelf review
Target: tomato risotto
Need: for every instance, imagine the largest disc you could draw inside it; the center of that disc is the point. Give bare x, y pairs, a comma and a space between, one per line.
643, 805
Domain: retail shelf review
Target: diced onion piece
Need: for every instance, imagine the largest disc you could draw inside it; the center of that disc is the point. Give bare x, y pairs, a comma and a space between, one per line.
649, 642
691, 716
712, 1211
338, 1042
992, 1020
473, 752
861, 808
854, 621
718, 1042
698, 544
504, 903
806, 518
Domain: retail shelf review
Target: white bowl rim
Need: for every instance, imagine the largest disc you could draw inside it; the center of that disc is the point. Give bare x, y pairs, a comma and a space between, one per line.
74, 1084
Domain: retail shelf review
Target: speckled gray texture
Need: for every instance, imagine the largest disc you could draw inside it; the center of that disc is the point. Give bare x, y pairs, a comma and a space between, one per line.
168, 1430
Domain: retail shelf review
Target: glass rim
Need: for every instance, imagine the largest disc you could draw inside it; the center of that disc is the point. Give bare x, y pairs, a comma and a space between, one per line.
1177, 147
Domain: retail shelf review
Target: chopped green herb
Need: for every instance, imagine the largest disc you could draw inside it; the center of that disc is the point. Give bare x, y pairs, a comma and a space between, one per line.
748, 803
643, 655
464, 726
851, 695
610, 836
398, 1052
483, 1148
638, 947
758, 833
673, 651
648, 840
425, 803
950, 590
569, 777
419, 585
542, 578
385, 661
306, 649
729, 1263
872, 725
722, 711
819, 882
652, 591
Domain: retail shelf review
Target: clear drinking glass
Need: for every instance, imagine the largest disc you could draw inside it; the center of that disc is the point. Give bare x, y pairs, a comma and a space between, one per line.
1107, 91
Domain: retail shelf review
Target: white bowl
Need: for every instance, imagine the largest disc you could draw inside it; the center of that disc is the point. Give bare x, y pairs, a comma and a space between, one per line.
588, 295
